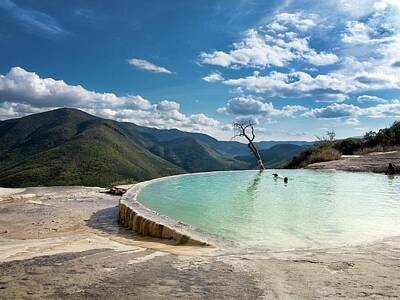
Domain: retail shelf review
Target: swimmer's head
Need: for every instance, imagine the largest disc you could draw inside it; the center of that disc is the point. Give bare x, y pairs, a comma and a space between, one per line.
285, 180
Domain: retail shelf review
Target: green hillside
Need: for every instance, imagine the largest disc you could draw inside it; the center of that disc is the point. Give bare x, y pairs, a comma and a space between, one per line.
194, 156
274, 156
228, 148
70, 147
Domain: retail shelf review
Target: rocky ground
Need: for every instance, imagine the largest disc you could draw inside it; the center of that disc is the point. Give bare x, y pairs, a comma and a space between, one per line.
373, 162
64, 243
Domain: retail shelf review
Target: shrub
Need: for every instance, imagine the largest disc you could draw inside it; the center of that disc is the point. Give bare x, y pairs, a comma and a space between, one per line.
348, 146
378, 148
325, 154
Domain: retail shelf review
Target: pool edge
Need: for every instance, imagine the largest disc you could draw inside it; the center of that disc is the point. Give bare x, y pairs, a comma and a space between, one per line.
135, 216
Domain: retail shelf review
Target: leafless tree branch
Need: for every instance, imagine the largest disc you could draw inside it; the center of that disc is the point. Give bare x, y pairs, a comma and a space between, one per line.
240, 131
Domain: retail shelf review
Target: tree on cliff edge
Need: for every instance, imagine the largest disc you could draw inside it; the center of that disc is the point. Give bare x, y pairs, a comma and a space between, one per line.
246, 129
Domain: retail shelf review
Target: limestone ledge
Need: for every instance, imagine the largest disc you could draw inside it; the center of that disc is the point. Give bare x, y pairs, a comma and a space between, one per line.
135, 216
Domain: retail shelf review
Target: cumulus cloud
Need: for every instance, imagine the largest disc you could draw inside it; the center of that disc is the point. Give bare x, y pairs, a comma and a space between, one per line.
334, 111
322, 59
357, 9
255, 50
259, 50
294, 84
23, 93
213, 77
10, 110
357, 32
148, 66
21, 86
202, 119
250, 105
384, 110
284, 20
363, 55
358, 77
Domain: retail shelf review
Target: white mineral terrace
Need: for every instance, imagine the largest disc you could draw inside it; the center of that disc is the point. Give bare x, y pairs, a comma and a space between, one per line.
135, 216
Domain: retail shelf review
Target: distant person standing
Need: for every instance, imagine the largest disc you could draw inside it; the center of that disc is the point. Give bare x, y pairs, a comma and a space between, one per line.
391, 170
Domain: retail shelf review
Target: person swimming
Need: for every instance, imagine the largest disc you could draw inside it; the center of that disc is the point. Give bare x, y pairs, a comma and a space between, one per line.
276, 175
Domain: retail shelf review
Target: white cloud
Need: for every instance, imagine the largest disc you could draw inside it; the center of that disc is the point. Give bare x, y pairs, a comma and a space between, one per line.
21, 86
384, 110
359, 33
349, 111
362, 39
368, 98
361, 8
333, 111
166, 105
23, 93
213, 77
147, 66
255, 50
255, 106
353, 76
322, 59
202, 119
260, 50
295, 84
11, 110
298, 20
334, 97
356, 33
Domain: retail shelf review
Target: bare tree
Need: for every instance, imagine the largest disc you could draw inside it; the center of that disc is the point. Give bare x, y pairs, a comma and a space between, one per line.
241, 129
329, 137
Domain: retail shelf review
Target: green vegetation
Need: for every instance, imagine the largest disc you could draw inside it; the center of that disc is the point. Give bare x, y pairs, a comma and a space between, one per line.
70, 147
275, 156
387, 139
194, 156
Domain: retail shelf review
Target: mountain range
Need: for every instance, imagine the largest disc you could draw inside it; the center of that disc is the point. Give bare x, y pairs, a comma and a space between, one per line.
70, 147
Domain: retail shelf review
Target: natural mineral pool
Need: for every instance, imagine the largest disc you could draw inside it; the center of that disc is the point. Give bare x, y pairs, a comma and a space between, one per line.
315, 209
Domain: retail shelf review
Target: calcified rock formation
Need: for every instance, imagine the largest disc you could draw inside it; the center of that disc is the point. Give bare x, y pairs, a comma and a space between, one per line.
135, 216
132, 220
240, 129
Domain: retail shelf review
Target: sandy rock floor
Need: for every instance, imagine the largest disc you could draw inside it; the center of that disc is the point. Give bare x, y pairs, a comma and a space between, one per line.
373, 162
64, 243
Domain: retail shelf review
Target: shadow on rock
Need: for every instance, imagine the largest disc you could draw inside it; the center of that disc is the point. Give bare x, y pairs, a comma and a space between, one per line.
106, 220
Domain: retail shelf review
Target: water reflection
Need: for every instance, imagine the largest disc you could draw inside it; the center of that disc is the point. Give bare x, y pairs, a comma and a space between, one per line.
253, 187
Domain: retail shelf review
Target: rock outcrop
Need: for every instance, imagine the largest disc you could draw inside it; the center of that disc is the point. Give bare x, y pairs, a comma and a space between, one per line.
373, 162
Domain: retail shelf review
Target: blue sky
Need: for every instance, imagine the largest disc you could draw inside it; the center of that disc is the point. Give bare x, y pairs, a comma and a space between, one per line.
297, 68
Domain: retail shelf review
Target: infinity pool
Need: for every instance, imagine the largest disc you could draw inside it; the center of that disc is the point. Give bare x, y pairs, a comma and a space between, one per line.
315, 209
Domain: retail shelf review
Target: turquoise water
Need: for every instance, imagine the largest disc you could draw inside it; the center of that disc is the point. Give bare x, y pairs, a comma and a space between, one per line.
315, 209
